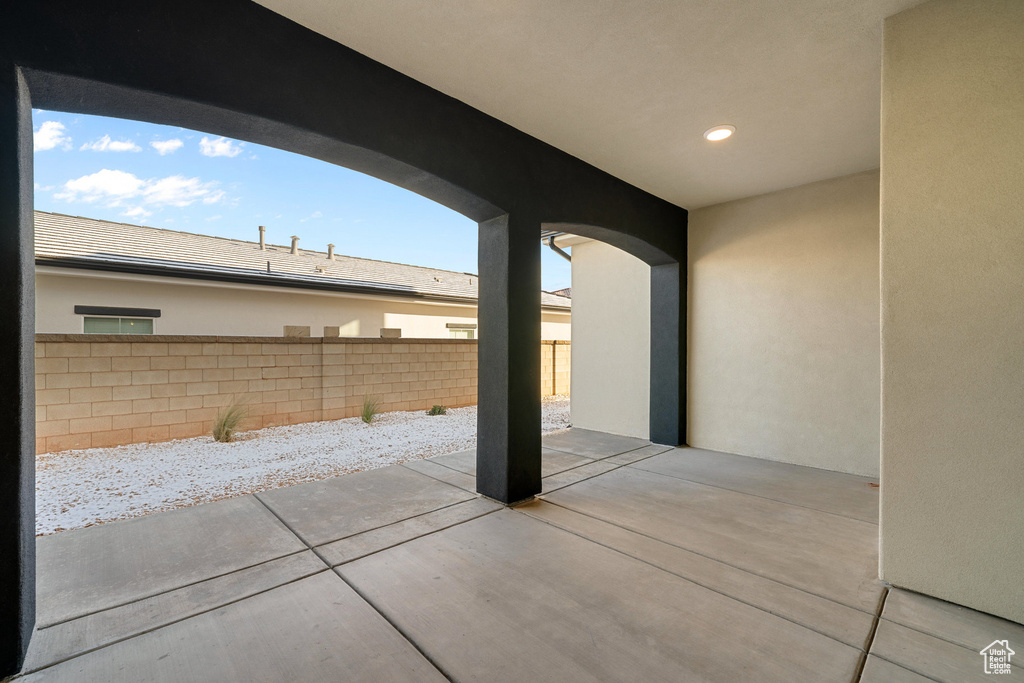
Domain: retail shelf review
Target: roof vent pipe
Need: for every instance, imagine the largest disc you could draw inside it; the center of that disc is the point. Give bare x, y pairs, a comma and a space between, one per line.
330, 252
295, 244
263, 240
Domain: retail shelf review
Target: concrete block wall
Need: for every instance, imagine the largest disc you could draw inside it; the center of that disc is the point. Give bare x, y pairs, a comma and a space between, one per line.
109, 390
555, 358
410, 375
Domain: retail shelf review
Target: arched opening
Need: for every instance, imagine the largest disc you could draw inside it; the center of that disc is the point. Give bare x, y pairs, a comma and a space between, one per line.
610, 378
622, 272
183, 326
250, 74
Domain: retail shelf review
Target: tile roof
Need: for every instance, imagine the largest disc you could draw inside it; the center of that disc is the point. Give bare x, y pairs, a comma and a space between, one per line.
76, 242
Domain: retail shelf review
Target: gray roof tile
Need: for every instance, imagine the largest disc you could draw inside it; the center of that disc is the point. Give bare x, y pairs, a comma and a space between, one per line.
88, 242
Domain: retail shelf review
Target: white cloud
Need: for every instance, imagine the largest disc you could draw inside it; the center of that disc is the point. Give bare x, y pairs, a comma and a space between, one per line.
315, 214
113, 188
105, 144
220, 147
136, 211
166, 146
214, 218
177, 190
108, 186
51, 134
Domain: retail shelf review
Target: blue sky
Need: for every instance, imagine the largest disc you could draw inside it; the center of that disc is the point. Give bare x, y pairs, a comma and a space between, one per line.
181, 179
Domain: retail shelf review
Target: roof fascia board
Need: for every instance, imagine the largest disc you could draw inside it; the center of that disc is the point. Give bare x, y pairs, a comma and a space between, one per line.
94, 269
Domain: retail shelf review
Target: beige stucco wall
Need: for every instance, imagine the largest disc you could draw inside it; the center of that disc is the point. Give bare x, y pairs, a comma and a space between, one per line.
611, 341
194, 307
952, 511
783, 326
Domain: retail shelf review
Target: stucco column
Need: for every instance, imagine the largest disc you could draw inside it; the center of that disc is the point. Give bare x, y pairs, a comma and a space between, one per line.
508, 382
17, 374
952, 523
668, 353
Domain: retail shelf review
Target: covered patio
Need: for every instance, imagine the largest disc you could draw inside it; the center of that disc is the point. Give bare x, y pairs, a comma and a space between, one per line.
636, 562
861, 235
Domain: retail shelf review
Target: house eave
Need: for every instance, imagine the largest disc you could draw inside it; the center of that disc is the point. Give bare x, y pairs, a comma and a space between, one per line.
261, 280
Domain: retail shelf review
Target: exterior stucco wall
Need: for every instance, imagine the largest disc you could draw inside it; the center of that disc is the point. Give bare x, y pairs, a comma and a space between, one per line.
952, 513
783, 330
203, 308
611, 344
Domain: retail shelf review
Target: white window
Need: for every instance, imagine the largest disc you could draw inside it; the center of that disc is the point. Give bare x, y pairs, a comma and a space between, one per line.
117, 320
106, 325
457, 333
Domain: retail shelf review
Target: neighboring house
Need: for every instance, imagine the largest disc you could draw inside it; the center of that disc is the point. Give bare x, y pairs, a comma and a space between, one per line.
96, 276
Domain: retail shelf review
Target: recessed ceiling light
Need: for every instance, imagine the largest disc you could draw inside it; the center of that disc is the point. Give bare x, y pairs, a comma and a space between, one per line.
719, 133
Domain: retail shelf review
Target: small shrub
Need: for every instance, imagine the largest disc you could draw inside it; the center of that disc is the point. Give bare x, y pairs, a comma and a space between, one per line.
437, 410
371, 406
227, 421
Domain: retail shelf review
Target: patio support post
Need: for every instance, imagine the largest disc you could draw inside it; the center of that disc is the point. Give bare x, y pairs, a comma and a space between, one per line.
17, 374
668, 353
508, 380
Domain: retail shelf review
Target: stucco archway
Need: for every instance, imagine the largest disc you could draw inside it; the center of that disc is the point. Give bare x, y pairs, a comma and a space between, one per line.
235, 68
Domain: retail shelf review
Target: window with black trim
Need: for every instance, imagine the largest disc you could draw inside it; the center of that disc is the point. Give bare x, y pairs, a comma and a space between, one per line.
118, 325
117, 319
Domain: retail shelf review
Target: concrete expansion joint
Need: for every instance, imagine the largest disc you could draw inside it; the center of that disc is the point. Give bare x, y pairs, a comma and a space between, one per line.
747, 493
293, 531
164, 625
361, 594
871, 635
157, 594
695, 552
689, 579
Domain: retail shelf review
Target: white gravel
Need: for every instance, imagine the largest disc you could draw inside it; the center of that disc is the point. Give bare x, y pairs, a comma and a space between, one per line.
82, 488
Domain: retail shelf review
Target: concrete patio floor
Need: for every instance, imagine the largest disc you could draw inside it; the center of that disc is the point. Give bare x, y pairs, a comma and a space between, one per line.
637, 563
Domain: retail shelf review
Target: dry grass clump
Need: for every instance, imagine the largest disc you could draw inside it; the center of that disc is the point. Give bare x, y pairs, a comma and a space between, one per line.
371, 406
227, 421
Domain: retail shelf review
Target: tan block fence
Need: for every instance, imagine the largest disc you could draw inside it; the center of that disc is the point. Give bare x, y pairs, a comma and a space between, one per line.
555, 357
110, 390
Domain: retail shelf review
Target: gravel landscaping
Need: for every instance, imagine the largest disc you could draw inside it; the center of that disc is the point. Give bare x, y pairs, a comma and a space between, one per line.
82, 488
